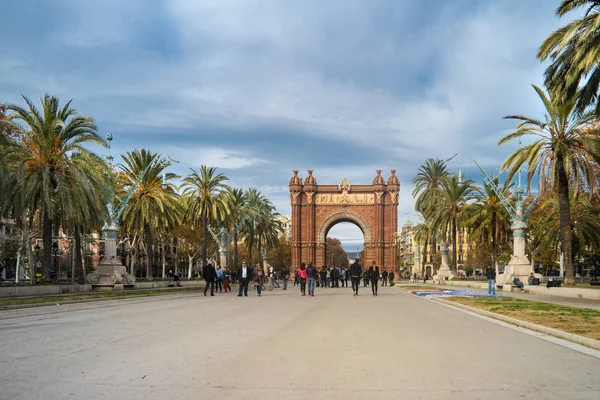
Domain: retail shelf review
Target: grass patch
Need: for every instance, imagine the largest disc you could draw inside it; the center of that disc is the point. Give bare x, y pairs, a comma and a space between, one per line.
579, 321
91, 296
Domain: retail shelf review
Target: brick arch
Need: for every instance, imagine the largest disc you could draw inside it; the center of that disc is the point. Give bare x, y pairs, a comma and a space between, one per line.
344, 215
316, 208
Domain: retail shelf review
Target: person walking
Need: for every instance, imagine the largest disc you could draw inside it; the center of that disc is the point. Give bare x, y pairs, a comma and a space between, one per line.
490, 274
226, 279
285, 273
384, 277
271, 277
219, 280
302, 276
259, 278
210, 274
244, 275
355, 274
311, 275
323, 276
366, 277
296, 278
391, 277
374, 275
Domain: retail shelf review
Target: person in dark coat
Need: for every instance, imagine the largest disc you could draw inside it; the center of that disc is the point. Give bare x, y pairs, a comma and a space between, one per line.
384, 277
374, 275
391, 277
490, 274
366, 277
244, 274
210, 274
355, 273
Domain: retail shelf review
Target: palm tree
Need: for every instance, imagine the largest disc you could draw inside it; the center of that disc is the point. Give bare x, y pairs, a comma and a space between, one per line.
90, 190
256, 206
488, 219
237, 204
449, 213
564, 147
206, 194
427, 183
575, 53
586, 224
41, 159
154, 204
423, 233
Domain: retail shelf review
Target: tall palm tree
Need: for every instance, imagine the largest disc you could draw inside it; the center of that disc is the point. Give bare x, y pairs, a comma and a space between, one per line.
488, 219
41, 159
449, 213
565, 145
428, 182
154, 204
90, 190
256, 206
423, 233
237, 204
575, 53
206, 193
586, 224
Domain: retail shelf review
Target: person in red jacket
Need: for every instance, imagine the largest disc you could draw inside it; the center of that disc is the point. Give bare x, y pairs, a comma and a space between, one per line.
303, 276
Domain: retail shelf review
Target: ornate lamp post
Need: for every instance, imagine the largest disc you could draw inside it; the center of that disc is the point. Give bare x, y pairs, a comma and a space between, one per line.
519, 265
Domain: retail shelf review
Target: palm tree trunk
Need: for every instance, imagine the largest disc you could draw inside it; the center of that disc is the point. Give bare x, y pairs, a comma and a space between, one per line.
454, 248
78, 263
164, 258
205, 244
149, 253
565, 219
47, 242
494, 239
424, 261
235, 251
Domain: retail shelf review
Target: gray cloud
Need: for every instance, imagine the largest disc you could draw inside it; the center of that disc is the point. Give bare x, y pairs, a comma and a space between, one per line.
262, 87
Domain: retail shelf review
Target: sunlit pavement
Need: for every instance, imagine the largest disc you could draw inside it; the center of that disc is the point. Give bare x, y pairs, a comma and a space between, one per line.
280, 346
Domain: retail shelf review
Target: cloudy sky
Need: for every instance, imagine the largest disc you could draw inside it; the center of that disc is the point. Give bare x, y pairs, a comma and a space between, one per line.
262, 87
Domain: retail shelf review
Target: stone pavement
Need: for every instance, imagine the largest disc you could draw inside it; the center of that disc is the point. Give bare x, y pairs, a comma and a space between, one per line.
280, 346
564, 301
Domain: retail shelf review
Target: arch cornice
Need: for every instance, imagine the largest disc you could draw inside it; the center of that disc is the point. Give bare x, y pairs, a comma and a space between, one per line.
344, 215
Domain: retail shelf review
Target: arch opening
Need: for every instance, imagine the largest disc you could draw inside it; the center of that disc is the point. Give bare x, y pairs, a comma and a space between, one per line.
344, 241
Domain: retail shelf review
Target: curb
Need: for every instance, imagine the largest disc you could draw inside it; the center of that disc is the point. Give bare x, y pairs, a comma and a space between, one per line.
591, 343
50, 304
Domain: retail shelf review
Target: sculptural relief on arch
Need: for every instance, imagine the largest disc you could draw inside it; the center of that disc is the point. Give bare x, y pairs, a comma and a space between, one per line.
316, 208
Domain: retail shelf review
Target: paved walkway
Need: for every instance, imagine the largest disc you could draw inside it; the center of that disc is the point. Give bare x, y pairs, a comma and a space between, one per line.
564, 301
280, 346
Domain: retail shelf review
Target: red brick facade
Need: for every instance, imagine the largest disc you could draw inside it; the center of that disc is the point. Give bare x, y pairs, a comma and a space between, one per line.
317, 208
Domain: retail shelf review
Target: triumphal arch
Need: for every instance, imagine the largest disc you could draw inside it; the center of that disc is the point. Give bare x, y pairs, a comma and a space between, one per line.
317, 208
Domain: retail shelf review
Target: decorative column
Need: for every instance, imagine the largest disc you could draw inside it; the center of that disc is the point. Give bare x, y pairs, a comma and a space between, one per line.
378, 231
310, 188
444, 273
296, 203
519, 264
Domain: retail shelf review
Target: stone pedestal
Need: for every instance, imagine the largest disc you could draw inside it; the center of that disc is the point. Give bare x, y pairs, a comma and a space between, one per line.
223, 258
519, 264
444, 273
110, 273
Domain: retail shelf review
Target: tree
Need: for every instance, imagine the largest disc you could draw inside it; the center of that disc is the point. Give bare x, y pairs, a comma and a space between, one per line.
339, 257
42, 159
238, 209
154, 203
564, 148
281, 255
575, 53
449, 213
488, 220
428, 182
423, 233
205, 193
585, 225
